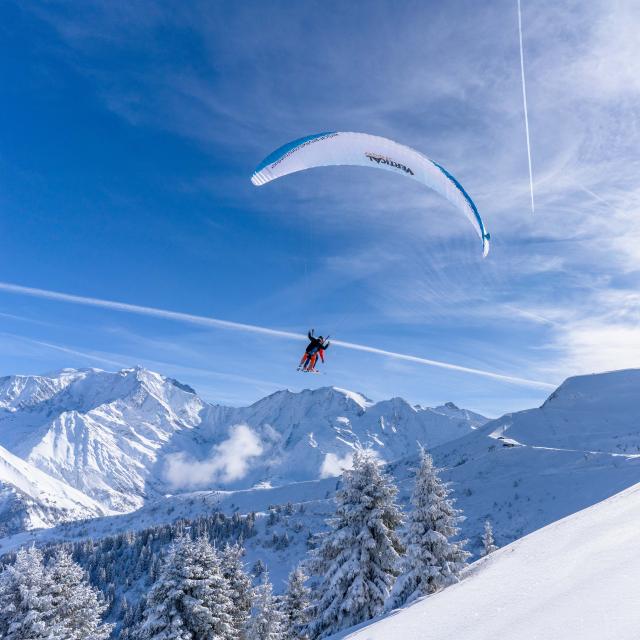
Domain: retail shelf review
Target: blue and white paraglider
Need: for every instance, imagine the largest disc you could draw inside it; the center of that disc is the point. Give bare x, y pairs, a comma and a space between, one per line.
362, 149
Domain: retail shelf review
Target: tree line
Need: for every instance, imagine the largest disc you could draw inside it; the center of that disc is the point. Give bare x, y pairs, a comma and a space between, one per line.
371, 559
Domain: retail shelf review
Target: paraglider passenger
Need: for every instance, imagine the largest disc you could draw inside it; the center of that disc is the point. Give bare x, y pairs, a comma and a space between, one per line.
316, 345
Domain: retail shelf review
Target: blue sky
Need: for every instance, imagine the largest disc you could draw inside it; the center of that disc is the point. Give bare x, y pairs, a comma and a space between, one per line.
129, 132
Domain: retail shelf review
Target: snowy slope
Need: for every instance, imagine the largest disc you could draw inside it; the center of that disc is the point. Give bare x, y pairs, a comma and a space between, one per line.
114, 436
315, 495
30, 498
520, 487
509, 470
576, 579
20, 392
590, 413
97, 431
512, 470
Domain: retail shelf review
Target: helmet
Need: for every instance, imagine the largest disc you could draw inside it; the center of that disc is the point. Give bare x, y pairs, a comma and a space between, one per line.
321, 338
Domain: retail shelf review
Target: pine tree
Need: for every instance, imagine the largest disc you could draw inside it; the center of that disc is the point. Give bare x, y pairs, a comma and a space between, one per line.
433, 560
77, 606
487, 539
214, 614
295, 606
239, 584
190, 599
25, 598
357, 560
267, 621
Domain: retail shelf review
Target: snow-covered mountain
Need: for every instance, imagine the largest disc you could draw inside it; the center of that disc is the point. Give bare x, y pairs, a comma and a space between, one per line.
590, 413
576, 579
122, 439
99, 432
511, 470
530, 468
517, 470
29, 498
312, 434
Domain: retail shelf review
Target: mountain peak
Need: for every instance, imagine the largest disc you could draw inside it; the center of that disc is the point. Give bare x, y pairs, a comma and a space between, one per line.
119, 437
321, 395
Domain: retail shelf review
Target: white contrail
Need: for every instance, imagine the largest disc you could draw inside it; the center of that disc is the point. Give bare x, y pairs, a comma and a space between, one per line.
145, 311
524, 101
251, 328
445, 365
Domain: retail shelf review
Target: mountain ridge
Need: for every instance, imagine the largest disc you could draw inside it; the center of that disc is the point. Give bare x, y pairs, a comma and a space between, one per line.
118, 436
522, 484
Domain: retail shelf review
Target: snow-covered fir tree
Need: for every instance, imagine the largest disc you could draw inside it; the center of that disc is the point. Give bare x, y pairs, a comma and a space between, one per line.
126, 565
356, 561
214, 616
433, 558
294, 605
190, 599
77, 606
239, 584
267, 620
488, 542
26, 598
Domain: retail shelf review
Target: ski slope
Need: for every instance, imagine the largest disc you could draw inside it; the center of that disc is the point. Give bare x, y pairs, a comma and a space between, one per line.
576, 579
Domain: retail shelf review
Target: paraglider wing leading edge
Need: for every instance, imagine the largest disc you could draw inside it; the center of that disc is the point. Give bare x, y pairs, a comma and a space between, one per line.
332, 148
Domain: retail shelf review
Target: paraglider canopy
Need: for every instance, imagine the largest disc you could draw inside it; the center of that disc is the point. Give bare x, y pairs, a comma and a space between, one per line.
361, 149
